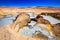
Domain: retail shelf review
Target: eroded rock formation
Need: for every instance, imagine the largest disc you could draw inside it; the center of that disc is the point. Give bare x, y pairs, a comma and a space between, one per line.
8, 33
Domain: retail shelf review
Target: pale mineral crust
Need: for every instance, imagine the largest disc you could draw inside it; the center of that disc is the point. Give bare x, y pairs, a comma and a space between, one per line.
6, 33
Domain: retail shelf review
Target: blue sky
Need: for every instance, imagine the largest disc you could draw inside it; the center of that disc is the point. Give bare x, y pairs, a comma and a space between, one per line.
26, 3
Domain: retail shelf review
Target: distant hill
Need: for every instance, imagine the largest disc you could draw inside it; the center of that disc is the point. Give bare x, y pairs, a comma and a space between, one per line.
36, 9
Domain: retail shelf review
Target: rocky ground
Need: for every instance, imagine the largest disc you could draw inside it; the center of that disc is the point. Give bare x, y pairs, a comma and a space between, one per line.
7, 33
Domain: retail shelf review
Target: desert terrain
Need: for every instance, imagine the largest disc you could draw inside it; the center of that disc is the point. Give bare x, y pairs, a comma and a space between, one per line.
7, 33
